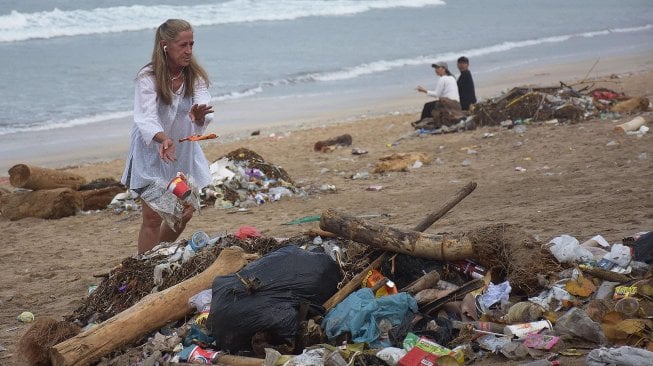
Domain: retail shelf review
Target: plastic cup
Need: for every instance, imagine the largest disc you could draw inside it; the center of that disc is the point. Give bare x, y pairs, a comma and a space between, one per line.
179, 187
627, 305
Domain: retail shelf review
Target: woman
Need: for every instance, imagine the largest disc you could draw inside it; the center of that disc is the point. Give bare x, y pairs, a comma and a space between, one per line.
446, 87
171, 102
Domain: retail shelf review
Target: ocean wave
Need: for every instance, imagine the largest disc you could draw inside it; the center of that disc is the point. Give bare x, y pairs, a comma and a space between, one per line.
381, 66
361, 70
387, 65
52, 125
17, 26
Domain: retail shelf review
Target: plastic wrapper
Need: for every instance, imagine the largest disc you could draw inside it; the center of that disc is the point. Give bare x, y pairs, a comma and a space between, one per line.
310, 357
166, 204
576, 324
391, 355
496, 293
622, 356
201, 301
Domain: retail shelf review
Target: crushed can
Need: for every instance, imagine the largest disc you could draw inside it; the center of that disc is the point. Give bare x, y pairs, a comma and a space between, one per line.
197, 354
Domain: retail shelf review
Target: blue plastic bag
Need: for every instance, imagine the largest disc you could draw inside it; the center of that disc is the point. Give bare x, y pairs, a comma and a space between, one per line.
360, 313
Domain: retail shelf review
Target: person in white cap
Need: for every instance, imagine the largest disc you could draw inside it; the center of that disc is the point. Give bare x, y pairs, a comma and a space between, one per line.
446, 87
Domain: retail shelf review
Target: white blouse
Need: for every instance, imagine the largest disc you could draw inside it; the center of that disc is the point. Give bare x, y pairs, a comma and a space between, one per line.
151, 116
445, 87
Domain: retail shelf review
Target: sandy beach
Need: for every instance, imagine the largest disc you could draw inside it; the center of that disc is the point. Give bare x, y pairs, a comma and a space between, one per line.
580, 179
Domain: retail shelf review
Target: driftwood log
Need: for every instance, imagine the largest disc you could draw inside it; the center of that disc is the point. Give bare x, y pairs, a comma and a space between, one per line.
99, 199
36, 178
150, 313
414, 243
355, 282
45, 204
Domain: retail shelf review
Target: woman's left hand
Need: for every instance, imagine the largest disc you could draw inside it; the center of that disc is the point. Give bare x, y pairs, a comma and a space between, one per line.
199, 111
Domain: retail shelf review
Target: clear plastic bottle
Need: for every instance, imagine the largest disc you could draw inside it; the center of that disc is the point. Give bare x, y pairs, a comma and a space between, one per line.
199, 240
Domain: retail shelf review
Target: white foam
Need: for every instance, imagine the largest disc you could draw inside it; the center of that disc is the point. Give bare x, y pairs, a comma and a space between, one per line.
17, 26
51, 125
386, 65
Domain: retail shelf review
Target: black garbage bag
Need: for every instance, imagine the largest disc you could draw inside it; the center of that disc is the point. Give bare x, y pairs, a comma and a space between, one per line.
265, 296
643, 248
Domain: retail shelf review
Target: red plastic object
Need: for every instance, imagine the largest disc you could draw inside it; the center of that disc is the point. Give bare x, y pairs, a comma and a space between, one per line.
246, 231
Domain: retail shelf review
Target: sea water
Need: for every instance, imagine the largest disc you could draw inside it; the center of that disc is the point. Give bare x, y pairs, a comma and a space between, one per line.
66, 64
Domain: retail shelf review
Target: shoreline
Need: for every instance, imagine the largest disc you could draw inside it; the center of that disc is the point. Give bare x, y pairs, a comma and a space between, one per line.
110, 140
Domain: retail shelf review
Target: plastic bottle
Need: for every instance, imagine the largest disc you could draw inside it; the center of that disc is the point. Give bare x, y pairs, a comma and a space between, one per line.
199, 240
483, 326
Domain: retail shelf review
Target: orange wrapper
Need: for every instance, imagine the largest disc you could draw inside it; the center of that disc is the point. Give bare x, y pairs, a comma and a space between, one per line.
210, 136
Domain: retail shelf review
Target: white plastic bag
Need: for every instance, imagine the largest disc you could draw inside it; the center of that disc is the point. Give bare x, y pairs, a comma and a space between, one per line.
566, 249
391, 355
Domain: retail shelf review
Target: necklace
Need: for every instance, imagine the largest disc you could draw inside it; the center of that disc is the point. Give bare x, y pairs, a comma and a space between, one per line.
181, 73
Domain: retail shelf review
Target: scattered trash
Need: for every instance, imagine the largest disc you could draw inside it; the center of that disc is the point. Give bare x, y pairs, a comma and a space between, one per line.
518, 298
524, 329
305, 219
246, 231
632, 125
26, 317
621, 356
242, 178
400, 162
333, 143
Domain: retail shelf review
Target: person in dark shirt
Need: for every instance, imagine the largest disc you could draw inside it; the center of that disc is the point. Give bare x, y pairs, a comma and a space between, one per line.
465, 84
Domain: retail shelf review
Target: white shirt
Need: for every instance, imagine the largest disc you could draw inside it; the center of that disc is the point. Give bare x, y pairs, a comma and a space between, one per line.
446, 87
152, 116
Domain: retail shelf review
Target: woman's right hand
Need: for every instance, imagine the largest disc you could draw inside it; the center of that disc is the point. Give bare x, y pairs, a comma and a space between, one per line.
167, 150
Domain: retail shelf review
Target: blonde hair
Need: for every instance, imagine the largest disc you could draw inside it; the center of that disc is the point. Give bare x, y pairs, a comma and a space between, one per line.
169, 31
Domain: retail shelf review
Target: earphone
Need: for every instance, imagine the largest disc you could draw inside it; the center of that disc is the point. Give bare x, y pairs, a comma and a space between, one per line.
165, 48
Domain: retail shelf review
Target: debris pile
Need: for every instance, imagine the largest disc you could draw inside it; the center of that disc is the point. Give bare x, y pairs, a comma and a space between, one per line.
382, 296
537, 104
242, 178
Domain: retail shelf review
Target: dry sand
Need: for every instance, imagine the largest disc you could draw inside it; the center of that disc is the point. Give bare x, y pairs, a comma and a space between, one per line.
581, 179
